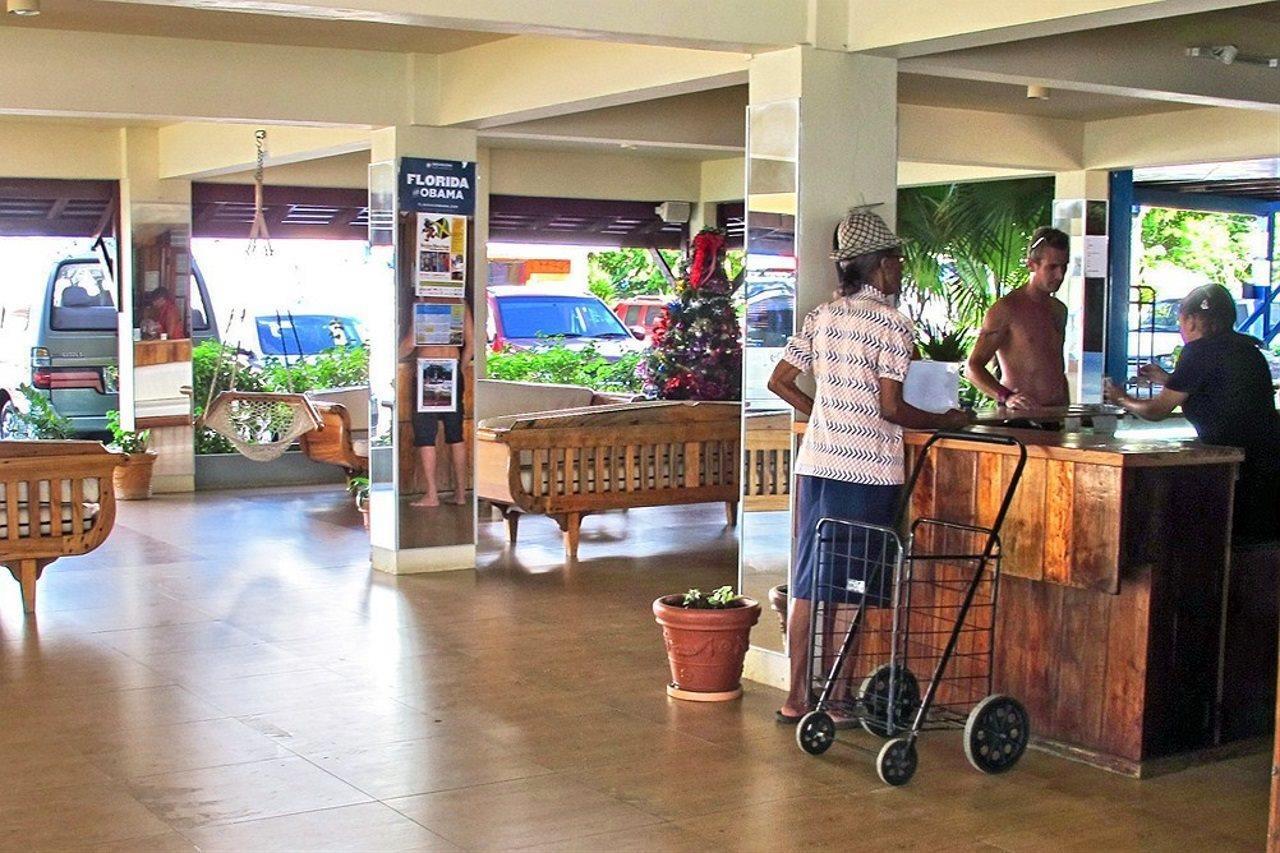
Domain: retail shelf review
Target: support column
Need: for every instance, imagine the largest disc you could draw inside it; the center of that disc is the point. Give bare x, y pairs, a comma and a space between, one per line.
157, 293
1080, 209
407, 538
822, 137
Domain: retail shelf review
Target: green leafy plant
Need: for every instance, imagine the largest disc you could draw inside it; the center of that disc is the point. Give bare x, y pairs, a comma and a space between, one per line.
941, 344
965, 244
615, 274
126, 441
41, 420
358, 485
558, 364
719, 599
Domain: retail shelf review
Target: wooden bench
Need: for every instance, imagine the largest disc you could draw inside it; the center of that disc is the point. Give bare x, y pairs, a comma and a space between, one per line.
567, 464
767, 462
56, 500
343, 437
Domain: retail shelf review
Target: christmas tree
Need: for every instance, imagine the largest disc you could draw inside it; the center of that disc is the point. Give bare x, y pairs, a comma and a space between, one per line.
697, 348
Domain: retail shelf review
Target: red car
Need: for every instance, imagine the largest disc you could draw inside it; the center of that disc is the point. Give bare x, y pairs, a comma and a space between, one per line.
639, 313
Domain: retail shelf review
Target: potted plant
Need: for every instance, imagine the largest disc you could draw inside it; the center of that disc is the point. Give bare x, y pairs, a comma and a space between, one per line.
358, 485
778, 601
706, 638
132, 479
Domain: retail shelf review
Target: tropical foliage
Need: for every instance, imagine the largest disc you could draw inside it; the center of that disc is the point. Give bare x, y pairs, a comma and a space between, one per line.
41, 419
615, 274
125, 440
1214, 246
558, 364
966, 244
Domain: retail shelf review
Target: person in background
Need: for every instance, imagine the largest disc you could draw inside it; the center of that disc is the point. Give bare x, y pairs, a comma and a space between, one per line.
426, 424
1025, 331
850, 466
1223, 385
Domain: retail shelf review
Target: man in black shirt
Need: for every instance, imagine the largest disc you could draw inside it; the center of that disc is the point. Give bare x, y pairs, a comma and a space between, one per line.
1223, 385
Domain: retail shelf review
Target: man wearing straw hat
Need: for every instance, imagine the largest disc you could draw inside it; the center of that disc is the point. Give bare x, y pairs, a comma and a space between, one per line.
850, 466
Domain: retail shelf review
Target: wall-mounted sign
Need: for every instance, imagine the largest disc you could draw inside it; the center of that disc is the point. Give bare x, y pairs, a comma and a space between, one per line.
437, 186
437, 324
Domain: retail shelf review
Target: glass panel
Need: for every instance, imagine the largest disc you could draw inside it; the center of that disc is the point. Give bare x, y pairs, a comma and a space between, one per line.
162, 289
768, 320
384, 528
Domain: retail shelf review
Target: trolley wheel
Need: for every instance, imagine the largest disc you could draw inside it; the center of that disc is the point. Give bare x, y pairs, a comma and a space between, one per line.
896, 763
873, 697
816, 732
996, 733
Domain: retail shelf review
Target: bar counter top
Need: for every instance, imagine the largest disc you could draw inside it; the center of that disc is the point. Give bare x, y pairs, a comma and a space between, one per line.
1128, 447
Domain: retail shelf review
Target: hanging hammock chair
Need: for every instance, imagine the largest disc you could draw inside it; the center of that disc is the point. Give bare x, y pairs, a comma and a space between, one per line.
260, 424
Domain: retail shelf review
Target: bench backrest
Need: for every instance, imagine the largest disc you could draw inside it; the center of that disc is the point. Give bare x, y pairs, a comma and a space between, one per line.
54, 484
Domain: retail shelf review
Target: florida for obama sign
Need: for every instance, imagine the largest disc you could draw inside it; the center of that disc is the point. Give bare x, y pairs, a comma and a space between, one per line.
437, 186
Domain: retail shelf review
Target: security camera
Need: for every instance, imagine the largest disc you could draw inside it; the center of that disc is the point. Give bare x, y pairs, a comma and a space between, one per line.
1226, 54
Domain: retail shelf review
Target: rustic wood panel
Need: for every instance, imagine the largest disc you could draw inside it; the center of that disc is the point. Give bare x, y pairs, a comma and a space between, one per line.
1124, 698
1080, 659
1059, 499
1022, 536
1095, 529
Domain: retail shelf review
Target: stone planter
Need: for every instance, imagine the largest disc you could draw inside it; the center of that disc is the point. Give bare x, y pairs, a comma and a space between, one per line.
132, 480
705, 647
778, 603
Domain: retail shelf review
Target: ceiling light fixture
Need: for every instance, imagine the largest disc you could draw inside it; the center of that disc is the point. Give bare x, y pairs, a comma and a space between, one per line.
1038, 93
1229, 54
23, 8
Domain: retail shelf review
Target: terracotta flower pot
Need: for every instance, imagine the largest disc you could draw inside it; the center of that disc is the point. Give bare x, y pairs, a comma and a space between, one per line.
705, 647
132, 480
778, 601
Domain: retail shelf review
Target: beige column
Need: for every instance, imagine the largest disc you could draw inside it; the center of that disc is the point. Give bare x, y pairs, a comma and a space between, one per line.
154, 376
405, 538
843, 111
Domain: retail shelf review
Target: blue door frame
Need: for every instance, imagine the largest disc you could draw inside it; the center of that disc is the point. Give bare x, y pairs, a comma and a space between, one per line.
1126, 198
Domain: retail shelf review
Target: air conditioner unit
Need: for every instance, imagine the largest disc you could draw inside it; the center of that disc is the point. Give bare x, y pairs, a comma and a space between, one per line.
674, 211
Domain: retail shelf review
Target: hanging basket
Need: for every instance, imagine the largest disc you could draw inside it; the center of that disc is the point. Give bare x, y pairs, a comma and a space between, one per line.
261, 425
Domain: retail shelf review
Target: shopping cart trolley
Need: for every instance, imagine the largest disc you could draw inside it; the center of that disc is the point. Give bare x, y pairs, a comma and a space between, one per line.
882, 612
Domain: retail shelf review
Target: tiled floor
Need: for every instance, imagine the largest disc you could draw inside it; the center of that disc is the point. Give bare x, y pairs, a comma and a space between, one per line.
226, 674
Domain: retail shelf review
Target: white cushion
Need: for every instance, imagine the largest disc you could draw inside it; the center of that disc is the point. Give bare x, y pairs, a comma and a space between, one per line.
498, 397
360, 447
90, 489
65, 525
354, 399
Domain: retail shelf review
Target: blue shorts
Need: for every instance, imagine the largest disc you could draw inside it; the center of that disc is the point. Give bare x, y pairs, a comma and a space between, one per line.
818, 498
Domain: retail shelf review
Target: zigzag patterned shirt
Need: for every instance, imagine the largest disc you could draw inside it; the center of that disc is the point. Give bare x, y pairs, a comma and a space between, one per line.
848, 345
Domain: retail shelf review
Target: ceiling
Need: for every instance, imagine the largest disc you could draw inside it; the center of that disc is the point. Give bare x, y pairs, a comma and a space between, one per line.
932, 91
214, 25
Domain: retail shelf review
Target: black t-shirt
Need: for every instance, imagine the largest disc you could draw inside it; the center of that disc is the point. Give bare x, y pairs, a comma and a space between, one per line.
1230, 402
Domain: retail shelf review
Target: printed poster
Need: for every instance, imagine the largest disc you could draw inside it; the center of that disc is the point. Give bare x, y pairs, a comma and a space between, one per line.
441, 256
437, 324
437, 384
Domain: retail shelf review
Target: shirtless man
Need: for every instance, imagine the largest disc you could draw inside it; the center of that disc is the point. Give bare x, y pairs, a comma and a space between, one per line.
1025, 331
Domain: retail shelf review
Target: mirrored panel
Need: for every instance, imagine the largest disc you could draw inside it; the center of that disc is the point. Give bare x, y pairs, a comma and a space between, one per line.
768, 320
166, 300
383, 518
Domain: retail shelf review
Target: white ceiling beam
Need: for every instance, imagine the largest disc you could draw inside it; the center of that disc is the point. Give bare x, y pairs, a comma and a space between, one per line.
534, 77
995, 140
733, 25
907, 28
1140, 61
199, 150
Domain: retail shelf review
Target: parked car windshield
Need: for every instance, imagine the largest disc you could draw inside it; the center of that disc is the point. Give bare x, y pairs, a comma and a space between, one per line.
315, 333
82, 300
552, 316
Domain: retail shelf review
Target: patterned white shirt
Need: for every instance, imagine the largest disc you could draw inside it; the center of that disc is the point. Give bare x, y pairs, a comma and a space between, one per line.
848, 345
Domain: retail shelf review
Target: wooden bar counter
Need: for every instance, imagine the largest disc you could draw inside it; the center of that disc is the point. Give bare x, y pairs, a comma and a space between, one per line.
1113, 610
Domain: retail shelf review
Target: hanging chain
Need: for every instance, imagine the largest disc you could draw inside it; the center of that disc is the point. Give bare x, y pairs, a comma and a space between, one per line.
259, 228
